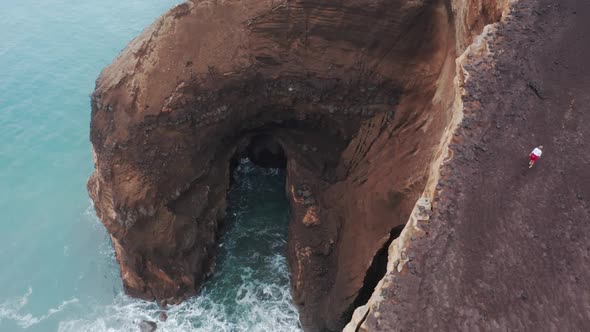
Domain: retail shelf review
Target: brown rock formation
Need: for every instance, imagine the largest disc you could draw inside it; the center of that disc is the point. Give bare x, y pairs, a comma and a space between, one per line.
357, 95
506, 247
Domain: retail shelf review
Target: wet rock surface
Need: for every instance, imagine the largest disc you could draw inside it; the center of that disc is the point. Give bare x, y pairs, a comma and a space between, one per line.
147, 326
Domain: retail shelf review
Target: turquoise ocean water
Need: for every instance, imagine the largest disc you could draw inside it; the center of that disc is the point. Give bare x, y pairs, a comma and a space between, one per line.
57, 267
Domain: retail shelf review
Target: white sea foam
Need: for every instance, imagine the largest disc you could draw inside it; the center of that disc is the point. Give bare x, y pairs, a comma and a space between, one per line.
241, 303
90, 214
13, 310
106, 247
256, 308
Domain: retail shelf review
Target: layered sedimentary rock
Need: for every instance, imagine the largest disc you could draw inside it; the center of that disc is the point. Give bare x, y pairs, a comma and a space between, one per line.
504, 245
357, 96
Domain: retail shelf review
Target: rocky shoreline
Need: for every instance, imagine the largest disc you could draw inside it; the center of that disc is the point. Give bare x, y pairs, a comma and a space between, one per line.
361, 115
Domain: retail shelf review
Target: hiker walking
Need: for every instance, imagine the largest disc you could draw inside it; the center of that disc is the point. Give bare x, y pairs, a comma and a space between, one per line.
535, 155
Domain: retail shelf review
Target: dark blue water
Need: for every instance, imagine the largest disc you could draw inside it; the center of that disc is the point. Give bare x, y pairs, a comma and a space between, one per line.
58, 271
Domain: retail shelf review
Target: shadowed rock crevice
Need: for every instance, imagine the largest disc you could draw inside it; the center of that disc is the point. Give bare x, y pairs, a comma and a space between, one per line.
353, 98
374, 274
264, 151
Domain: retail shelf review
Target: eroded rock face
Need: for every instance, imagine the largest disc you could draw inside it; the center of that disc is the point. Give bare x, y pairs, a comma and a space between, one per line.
353, 94
504, 247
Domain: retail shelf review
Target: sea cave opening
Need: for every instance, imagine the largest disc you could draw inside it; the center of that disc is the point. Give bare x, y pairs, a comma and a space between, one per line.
250, 285
266, 152
351, 116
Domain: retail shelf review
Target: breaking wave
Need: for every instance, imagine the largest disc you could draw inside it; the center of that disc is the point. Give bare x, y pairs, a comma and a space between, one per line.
249, 290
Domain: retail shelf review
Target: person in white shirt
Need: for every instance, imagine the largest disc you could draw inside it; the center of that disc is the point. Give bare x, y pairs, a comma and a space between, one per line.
535, 155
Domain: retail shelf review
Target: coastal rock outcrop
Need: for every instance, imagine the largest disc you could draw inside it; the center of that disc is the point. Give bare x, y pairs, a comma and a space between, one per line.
353, 97
504, 247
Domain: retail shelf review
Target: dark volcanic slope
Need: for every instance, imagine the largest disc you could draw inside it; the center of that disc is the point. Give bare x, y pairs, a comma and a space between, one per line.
508, 247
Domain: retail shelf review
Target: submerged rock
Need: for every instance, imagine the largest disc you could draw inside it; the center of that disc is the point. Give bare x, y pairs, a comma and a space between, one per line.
147, 326
163, 316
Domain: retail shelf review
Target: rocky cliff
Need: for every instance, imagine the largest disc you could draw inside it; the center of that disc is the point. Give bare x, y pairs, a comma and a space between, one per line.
493, 245
357, 99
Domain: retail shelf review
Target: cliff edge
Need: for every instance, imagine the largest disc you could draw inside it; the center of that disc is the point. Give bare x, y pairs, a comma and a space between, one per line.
505, 247
361, 102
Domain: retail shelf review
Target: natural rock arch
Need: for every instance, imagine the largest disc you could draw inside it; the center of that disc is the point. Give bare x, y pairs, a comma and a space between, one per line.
356, 93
